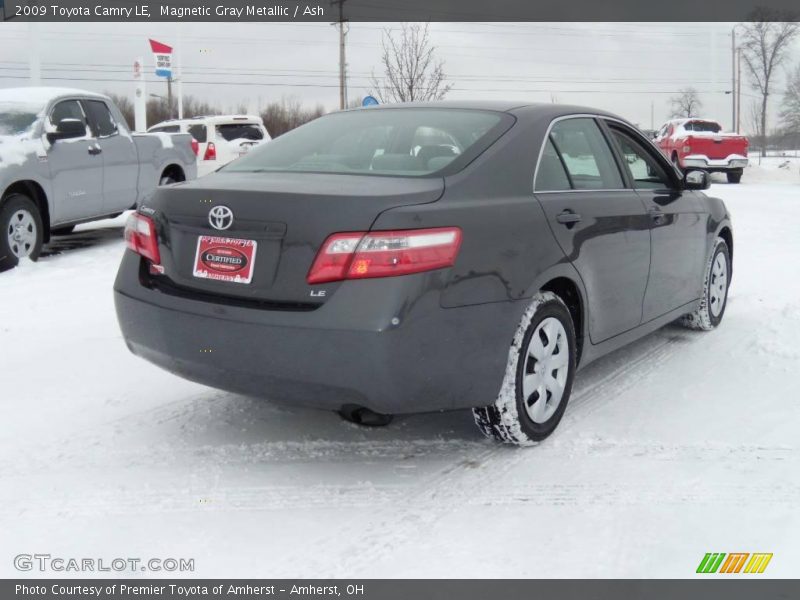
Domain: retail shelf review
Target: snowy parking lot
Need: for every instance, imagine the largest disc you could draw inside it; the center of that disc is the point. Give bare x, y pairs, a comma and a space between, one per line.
681, 444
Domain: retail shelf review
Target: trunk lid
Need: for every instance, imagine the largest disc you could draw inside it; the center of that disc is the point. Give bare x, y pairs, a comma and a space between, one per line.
287, 215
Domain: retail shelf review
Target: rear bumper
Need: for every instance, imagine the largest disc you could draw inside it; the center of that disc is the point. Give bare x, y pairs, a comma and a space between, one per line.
701, 161
348, 351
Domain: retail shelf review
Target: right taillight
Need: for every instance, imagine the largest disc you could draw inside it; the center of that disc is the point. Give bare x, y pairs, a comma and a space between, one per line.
362, 255
211, 152
140, 236
195, 147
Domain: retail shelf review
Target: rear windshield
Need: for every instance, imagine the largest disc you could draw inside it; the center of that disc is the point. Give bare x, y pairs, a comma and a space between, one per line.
240, 131
404, 141
703, 126
17, 117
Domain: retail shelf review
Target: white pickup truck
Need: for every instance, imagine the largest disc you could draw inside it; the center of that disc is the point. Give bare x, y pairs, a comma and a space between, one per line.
68, 157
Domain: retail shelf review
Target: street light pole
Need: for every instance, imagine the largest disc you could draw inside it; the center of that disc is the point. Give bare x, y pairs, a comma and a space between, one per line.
734, 115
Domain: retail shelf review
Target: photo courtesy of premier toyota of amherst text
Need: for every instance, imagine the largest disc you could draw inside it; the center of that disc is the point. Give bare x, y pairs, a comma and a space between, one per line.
337, 297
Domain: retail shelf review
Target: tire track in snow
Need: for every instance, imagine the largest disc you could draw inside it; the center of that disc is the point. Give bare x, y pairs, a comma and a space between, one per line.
428, 503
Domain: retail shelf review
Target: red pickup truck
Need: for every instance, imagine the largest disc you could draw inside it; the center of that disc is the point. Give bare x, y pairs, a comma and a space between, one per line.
701, 144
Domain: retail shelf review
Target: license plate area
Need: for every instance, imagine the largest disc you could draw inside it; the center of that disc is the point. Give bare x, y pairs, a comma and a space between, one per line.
224, 259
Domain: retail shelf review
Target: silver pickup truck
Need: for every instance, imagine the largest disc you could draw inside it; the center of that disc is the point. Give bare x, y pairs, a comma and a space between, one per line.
68, 157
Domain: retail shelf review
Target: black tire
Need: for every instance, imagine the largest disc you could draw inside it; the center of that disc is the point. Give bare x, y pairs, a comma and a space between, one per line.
508, 419
734, 177
10, 209
707, 317
66, 230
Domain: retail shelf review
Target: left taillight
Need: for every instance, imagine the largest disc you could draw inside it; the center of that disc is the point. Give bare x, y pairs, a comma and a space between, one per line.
362, 255
140, 236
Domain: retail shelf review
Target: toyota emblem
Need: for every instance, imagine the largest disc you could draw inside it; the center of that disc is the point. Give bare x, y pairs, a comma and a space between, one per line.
220, 217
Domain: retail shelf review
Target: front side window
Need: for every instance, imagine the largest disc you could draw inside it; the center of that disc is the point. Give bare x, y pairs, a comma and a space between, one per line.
586, 155
103, 123
645, 171
392, 141
67, 109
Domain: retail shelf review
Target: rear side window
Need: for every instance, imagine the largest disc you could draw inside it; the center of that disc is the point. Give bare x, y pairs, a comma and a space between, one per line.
586, 155
102, 122
199, 133
239, 131
551, 176
387, 141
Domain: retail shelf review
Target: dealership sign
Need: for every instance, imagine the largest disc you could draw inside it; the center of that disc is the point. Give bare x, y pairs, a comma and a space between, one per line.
162, 57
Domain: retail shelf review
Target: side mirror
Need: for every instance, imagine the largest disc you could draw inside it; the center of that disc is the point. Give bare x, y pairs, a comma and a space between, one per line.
66, 129
696, 180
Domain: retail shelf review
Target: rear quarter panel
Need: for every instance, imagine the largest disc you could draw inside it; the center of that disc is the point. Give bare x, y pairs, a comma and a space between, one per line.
506, 244
157, 151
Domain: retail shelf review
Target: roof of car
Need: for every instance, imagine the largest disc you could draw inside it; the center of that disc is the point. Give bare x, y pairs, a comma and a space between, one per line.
211, 118
41, 94
553, 110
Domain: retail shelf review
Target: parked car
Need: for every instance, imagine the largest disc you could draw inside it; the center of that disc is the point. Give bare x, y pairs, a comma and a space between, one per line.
701, 144
220, 138
341, 267
68, 157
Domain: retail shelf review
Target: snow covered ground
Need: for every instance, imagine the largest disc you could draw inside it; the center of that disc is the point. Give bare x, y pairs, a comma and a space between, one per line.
681, 444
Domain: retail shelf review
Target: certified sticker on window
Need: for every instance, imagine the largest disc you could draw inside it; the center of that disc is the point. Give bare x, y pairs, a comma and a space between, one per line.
225, 259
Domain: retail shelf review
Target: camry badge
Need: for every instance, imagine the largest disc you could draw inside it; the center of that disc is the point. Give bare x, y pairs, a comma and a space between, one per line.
220, 217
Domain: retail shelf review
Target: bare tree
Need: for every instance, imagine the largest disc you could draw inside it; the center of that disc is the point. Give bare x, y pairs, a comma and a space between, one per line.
125, 106
686, 104
765, 47
283, 116
790, 111
411, 71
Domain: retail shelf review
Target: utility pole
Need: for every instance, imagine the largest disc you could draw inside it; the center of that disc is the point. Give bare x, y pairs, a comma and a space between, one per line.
342, 59
739, 90
169, 95
34, 56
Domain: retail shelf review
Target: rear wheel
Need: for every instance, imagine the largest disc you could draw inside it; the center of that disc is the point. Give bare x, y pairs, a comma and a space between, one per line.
539, 373
734, 176
715, 291
21, 231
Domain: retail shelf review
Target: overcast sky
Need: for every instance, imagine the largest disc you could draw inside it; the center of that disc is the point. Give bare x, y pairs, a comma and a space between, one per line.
622, 67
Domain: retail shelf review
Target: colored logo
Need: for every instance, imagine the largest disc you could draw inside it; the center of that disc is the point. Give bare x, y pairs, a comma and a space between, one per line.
734, 562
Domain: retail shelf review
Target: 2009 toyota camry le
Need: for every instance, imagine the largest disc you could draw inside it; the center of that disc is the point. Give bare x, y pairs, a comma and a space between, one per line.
424, 257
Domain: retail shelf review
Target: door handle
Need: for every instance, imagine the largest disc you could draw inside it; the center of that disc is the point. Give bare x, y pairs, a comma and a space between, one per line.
568, 218
657, 215
95, 150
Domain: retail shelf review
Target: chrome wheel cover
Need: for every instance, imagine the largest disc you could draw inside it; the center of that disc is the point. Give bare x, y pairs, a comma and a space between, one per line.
545, 370
718, 284
21, 233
